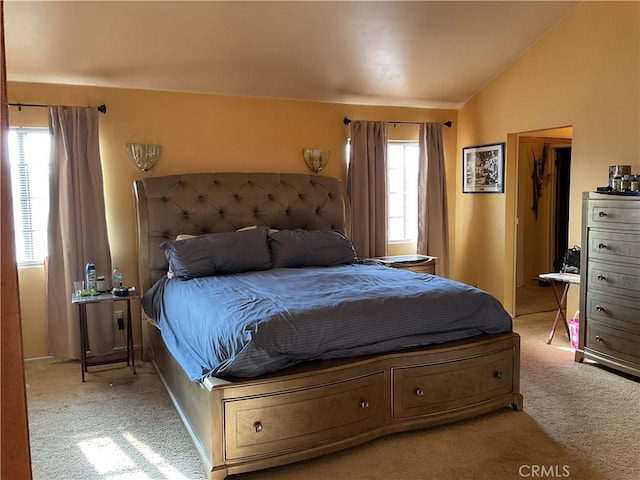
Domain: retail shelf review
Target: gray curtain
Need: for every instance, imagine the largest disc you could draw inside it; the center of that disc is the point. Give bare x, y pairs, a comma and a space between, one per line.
433, 225
77, 230
367, 188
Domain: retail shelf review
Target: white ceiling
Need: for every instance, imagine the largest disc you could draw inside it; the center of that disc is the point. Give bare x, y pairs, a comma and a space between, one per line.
422, 54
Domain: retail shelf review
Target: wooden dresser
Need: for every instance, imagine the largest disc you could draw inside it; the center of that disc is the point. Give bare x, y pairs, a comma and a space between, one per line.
610, 282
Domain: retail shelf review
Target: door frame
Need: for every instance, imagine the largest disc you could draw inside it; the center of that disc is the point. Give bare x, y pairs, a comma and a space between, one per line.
556, 135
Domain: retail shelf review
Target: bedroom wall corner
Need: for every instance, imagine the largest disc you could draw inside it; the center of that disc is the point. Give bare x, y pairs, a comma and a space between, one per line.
584, 73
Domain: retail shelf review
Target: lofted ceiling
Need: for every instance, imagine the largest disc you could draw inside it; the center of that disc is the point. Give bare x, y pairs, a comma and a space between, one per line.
420, 53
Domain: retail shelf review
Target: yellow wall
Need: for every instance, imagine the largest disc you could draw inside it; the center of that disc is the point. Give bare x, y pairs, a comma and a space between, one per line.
33, 311
204, 133
585, 73
534, 230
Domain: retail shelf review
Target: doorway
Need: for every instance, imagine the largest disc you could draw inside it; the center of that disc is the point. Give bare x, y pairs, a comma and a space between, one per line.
542, 215
562, 162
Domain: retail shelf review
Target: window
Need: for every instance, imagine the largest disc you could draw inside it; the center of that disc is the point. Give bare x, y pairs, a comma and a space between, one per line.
29, 159
402, 191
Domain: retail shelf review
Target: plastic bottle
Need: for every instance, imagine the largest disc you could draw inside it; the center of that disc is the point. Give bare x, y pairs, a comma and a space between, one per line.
116, 278
90, 273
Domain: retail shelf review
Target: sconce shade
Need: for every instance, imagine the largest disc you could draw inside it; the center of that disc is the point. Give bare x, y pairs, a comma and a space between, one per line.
316, 158
144, 156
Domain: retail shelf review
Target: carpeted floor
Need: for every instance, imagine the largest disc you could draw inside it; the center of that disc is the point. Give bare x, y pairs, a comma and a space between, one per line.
580, 421
534, 297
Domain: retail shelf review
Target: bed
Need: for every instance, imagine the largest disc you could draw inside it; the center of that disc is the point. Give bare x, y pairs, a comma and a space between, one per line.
244, 416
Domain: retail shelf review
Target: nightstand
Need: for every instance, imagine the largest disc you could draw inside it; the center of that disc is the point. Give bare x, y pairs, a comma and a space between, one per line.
415, 263
82, 303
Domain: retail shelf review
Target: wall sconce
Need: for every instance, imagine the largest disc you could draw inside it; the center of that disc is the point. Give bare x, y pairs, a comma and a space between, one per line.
144, 156
316, 158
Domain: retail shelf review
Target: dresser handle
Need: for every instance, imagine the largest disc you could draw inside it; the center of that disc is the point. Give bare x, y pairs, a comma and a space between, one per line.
257, 427
600, 277
420, 392
498, 375
599, 338
599, 308
602, 246
602, 214
364, 404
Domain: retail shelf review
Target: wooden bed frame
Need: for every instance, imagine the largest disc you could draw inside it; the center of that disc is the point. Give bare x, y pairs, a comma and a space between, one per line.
241, 425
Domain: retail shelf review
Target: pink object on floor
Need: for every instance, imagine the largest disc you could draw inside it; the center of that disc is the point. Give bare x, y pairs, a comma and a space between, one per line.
574, 328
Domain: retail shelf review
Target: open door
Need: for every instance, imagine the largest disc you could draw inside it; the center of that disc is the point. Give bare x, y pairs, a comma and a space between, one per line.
16, 456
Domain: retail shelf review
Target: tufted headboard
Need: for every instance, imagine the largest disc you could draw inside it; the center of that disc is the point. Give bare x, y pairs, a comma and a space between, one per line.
221, 202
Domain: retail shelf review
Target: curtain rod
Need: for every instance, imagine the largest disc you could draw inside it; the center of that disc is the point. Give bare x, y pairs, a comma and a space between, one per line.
101, 108
448, 123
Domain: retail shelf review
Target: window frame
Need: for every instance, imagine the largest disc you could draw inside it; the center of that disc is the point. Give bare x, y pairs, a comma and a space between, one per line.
26, 248
406, 176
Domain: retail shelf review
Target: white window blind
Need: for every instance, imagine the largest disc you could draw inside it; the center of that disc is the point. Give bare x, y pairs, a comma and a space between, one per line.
402, 191
29, 159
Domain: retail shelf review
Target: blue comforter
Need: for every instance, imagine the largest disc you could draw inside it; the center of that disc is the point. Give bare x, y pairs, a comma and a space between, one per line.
249, 324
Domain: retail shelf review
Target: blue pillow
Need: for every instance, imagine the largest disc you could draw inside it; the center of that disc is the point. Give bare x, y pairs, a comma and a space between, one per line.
219, 253
310, 248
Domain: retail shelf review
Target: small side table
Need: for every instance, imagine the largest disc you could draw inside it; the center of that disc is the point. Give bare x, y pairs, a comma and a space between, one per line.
568, 279
82, 303
415, 263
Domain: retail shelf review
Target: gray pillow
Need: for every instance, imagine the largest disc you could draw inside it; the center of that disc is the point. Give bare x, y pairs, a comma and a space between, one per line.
219, 253
307, 248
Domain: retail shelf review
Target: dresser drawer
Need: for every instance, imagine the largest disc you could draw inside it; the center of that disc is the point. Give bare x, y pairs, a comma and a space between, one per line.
422, 390
614, 312
614, 214
614, 247
614, 279
429, 267
296, 420
613, 342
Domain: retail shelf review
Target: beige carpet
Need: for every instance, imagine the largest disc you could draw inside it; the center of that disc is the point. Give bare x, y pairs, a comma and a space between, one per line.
534, 298
580, 422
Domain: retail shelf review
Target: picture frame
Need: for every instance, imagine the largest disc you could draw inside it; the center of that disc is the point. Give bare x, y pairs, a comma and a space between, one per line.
483, 168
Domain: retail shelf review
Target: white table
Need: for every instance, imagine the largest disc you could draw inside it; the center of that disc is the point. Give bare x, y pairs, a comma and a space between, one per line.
567, 279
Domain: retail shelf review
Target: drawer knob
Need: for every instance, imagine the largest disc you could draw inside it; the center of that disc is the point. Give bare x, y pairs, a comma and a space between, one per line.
498, 375
602, 214
599, 338
364, 404
257, 427
599, 308
601, 277
420, 392
602, 246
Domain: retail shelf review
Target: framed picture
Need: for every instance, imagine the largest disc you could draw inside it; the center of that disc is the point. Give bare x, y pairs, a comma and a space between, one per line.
483, 169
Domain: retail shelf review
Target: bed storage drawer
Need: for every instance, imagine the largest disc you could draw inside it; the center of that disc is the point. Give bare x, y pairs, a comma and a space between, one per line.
429, 389
296, 420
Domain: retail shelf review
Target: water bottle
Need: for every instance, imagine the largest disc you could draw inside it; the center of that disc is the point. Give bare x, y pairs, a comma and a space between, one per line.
116, 278
90, 273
